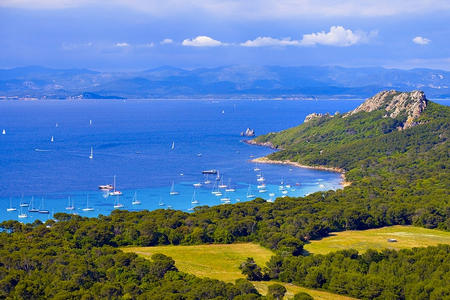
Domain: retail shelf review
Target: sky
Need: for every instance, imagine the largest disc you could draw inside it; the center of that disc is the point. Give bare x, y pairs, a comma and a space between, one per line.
128, 35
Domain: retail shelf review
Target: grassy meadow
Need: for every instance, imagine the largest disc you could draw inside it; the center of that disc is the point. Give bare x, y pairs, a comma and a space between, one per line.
221, 261
361, 240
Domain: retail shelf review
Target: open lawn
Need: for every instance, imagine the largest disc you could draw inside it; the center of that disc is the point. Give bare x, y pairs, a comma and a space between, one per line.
222, 262
361, 240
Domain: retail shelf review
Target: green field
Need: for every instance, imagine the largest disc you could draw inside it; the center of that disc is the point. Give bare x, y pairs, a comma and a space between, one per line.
222, 262
406, 236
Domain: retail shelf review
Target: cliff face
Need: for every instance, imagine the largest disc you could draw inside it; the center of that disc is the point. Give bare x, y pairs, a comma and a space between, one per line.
395, 103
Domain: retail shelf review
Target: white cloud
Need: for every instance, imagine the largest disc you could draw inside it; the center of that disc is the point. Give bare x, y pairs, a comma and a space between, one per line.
421, 40
269, 41
261, 9
166, 41
337, 36
202, 41
122, 45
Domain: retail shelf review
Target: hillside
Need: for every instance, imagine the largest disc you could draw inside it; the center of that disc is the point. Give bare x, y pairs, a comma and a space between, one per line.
393, 148
227, 82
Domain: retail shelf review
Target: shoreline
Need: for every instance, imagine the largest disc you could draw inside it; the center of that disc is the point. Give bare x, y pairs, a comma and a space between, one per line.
265, 160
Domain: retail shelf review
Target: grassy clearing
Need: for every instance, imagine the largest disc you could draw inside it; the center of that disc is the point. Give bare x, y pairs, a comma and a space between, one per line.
213, 261
222, 262
406, 236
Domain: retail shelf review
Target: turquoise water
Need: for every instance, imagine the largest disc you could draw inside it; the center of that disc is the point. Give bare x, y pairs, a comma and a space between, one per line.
133, 140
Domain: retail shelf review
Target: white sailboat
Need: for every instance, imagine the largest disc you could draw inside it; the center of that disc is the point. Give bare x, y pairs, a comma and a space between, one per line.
161, 203
172, 190
135, 200
198, 184
194, 199
70, 205
114, 192
91, 155
90, 122
11, 208
222, 185
42, 210
4, 131
229, 187
31, 208
225, 198
22, 215
249, 192
207, 181
173, 146
52, 139
117, 204
87, 208
23, 204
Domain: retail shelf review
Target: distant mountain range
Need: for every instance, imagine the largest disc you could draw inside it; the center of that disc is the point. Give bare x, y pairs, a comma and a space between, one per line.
231, 82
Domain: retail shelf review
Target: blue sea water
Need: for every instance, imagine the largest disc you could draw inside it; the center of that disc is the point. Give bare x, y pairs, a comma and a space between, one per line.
133, 139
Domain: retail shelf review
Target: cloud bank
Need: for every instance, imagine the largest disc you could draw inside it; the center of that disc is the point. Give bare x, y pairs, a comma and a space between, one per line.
250, 9
337, 36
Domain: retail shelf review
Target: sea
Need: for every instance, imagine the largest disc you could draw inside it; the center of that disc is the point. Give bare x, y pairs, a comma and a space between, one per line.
150, 147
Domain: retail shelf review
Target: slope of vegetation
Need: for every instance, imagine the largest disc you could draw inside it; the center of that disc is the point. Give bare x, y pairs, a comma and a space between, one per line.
400, 177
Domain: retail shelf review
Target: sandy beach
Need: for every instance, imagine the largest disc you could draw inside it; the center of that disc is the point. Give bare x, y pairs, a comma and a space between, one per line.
265, 160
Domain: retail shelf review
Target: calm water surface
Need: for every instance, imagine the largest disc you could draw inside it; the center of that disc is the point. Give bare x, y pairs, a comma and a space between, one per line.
133, 140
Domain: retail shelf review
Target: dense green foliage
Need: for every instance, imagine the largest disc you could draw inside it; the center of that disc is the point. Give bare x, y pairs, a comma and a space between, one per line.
419, 273
399, 177
37, 262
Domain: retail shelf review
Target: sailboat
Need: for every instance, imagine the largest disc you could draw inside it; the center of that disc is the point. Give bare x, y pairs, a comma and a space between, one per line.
260, 178
207, 181
194, 200
172, 189
225, 199
91, 156
114, 192
11, 208
198, 184
161, 203
52, 139
32, 208
41, 208
229, 187
249, 192
135, 200
4, 131
90, 122
87, 208
23, 204
221, 185
117, 204
22, 215
70, 205
173, 146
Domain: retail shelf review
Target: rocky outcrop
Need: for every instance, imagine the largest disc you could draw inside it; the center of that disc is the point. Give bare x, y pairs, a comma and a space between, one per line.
314, 116
248, 132
396, 103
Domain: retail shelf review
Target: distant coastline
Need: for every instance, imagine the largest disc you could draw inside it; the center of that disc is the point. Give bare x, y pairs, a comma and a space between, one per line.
265, 160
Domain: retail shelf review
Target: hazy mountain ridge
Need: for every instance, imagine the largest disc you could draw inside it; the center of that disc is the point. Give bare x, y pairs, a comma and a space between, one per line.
222, 82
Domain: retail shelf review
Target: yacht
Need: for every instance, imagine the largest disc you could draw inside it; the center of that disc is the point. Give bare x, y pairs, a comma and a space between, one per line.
31, 208
194, 200
11, 208
41, 208
114, 192
172, 190
106, 187
70, 205
87, 208
249, 192
135, 200
213, 171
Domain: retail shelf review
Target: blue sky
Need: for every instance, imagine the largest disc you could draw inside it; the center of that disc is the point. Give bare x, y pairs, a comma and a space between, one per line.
140, 34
